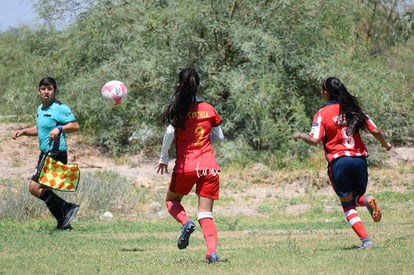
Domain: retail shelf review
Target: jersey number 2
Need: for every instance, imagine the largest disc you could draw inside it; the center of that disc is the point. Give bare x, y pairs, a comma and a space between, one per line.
199, 141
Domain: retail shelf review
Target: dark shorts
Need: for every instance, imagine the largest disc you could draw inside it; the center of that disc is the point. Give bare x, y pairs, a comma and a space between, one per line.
61, 156
349, 175
206, 185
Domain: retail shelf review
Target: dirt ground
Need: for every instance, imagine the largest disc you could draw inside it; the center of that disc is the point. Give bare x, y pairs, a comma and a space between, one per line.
18, 158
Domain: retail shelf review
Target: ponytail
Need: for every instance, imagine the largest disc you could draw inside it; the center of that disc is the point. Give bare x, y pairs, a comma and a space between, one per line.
349, 106
184, 97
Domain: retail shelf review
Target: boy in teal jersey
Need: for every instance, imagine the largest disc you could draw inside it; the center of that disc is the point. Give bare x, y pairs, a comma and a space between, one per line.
54, 120
49, 118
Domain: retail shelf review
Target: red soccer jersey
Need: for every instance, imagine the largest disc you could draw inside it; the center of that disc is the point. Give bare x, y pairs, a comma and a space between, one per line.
337, 140
193, 146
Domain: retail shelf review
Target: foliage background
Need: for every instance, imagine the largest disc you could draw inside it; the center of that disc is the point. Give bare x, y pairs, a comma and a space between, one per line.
261, 64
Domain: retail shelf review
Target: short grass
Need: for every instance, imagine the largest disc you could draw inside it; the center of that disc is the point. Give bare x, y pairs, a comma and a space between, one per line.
315, 241
311, 243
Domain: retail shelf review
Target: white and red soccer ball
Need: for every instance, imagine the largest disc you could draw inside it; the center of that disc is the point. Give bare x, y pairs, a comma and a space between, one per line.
114, 92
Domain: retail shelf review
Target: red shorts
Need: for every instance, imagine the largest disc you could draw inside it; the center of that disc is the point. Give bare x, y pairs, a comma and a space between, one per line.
206, 185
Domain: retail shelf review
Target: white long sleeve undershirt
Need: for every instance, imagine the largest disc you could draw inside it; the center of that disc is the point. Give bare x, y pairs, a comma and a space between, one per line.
216, 135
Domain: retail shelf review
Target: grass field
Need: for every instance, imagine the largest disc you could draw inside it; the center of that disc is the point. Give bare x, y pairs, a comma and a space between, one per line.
310, 243
269, 221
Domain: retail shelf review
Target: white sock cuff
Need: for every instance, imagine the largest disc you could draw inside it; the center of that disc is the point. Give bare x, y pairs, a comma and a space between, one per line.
205, 215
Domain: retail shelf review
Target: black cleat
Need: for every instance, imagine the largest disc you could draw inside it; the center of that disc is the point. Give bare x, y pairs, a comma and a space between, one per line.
213, 258
186, 231
70, 211
66, 228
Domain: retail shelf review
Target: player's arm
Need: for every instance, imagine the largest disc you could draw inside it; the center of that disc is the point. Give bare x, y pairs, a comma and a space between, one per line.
378, 135
317, 132
372, 128
67, 128
66, 121
25, 132
70, 127
216, 134
166, 144
306, 138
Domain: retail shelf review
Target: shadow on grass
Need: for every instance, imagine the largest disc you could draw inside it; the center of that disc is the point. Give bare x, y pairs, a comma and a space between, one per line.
185, 261
133, 249
350, 247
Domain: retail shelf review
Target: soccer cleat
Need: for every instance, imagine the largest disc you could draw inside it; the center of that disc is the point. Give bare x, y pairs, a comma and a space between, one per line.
213, 258
186, 231
70, 213
373, 209
366, 243
66, 228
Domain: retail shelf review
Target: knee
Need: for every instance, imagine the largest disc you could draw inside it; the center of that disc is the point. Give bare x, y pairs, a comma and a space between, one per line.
346, 197
204, 215
173, 196
348, 204
35, 189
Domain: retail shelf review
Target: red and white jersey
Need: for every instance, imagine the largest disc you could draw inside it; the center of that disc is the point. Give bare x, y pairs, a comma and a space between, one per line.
329, 127
193, 145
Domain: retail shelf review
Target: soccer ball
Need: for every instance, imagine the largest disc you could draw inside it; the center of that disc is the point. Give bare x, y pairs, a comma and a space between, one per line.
114, 92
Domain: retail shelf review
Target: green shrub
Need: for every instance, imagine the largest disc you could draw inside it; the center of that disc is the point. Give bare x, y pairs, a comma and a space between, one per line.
260, 62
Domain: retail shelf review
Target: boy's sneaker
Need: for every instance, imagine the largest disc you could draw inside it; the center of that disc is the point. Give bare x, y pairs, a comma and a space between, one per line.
70, 211
213, 258
373, 209
366, 243
66, 228
186, 231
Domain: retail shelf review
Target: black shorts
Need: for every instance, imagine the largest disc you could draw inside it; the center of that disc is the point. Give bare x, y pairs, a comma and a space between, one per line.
61, 156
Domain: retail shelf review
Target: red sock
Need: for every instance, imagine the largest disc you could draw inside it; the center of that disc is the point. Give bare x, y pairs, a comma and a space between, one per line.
210, 234
355, 222
360, 201
177, 211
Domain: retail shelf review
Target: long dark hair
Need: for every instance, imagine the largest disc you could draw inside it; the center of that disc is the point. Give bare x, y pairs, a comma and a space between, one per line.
349, 106
184, 97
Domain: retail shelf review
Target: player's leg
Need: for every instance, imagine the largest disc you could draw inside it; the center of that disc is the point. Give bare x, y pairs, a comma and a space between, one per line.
180, 185
207, 190
371, 204
359, 192
348, 205
176, 191
63, 211
177, 211
175, 208
205, 219
342, 174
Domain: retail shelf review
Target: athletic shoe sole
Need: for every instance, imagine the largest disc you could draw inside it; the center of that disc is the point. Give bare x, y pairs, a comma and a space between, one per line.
365, 247
67, 228
374, 210
186, 231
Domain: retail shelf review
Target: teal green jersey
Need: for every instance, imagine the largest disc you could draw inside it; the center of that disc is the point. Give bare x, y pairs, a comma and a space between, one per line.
48, 118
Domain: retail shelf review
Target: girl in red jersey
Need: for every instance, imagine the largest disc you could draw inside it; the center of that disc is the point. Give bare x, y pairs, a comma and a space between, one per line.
337, 125
193, 125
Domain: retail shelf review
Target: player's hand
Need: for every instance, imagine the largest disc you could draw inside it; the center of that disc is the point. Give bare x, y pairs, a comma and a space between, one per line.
53, 135
388, 146
296, 136
17, 134
161, 167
